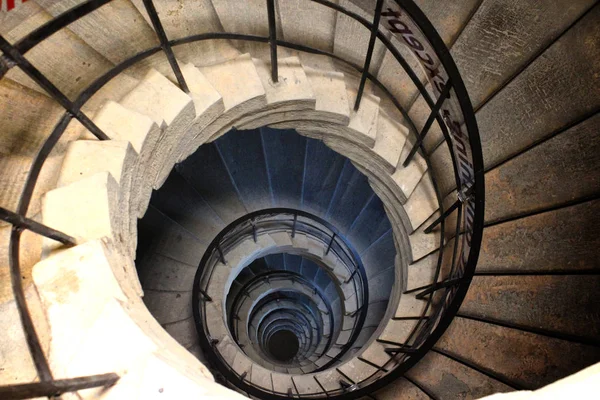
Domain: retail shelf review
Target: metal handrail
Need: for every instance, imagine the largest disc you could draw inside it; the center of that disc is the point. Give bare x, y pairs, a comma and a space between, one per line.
271, 221
270, 277
453, 114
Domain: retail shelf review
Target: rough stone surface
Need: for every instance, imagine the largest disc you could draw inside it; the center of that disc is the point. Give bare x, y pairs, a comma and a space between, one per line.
79, 63
422, 202
528, 359
503, 35
93, 200
401, 388
560, 240
554, 303
546, 96
180, 19
567, 163
27, 119
85, 158
208, 105
441, 376
143, 133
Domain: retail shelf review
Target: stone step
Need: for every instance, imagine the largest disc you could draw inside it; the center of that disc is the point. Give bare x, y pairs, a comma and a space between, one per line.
337, 267
206, 171
409, 306
178, 200
509, 299
281, 382
507, 352
390, 140
357, 370
168, 238
318, 34
215, 323
208, 105
261, 377
84, 329
121, 124
351, 40
80, 64
466, 381
421, 243
241, 89
85, 158
401, 387
168, 306
125, 33
166, 274
407, 178
365, 120
422, 272
241, 364
400, 331
375, 353
33, 115
331, 96
94, 200
171, 109
300, 241
291, 95
184, 332
371, 166
181, 20
315, 247
282, 239
72, 309
422, 203
545, 232
570, 82
292, 89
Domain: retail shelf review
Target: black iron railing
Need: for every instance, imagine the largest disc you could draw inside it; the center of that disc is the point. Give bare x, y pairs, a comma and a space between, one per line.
273, 276
443, 91
265, 222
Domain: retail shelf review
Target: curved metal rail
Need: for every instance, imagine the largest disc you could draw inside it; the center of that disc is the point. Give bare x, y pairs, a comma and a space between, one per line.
443, 91
270, 221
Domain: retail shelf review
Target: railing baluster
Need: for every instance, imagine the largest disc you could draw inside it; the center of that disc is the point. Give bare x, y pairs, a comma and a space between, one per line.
205, 295
347, 378
164, 44
351, 276
254, 233
295, 387
372, 39
26, 223
410, 318
463, 196
330, 244
404, 350
33, 342
321, 386
372, 364
438, 286
221, 256
13, 54
46, 30
273, 39
432, 117
484, 371
442, 217
56, 387
294, 225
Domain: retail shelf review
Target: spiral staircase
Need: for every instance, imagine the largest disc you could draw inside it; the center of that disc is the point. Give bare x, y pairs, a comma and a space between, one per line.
285, 198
